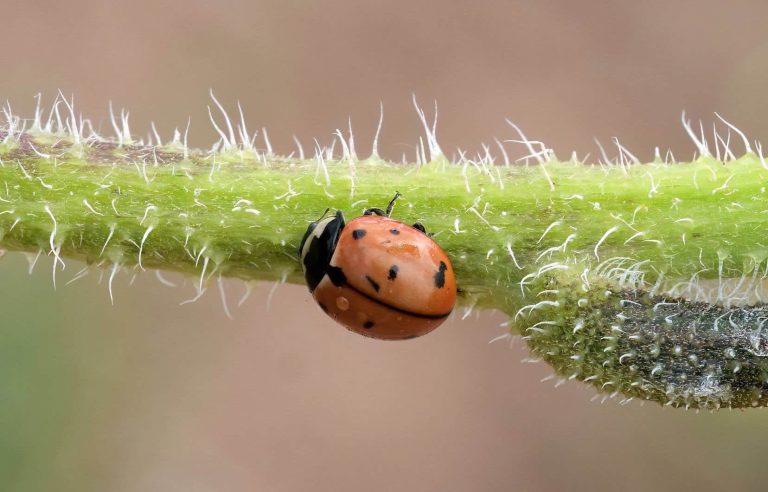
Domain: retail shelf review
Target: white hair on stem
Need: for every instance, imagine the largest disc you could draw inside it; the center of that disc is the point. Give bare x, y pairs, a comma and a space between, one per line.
112, 273
161, 278
275, 285
744, 139
375, 144
542, 155
699, 142
603, 238
223, 296
299, 147
434, 147
248, 291
228, 139
143, 240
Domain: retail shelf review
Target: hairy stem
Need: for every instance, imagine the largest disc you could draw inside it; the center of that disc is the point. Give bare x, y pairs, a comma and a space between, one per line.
562, 247
153, 208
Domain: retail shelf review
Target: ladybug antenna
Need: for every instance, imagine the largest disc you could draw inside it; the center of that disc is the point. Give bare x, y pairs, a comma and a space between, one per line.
392, 203
324, 214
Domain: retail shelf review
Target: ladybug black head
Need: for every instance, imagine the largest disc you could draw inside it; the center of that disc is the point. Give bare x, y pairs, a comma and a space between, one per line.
317, 247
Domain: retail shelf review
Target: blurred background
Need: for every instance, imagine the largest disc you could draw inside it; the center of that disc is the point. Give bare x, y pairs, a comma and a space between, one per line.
149, 395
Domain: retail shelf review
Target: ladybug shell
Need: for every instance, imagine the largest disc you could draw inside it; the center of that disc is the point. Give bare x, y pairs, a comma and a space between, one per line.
387, 280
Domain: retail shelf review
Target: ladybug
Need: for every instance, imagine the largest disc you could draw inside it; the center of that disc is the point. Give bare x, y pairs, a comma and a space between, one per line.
377, 276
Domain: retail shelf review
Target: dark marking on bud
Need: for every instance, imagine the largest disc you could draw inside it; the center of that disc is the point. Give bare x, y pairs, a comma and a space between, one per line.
392, 272
394, 231
358, 233
368, 325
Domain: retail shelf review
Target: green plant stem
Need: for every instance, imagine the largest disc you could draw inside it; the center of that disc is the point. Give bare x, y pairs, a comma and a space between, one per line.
247, 215
509, 230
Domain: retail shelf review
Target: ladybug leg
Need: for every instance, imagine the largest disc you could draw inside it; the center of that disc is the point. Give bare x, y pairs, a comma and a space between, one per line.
392, 203
383, 213
375, 211
420, 227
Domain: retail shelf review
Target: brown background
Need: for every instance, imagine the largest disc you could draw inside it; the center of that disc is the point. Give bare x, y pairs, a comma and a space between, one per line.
152, 396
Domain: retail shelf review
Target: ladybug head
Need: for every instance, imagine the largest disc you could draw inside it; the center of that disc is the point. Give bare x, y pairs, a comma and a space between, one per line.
317, 246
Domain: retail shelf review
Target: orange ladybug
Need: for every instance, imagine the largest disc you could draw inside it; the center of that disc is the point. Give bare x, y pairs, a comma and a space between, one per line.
377, 276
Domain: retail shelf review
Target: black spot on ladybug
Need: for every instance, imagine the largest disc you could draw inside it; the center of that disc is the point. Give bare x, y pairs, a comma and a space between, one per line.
358, 233
322, 306
409, 337
392, 272
440, 275
394, 231
337, 276
373, 283
368, 325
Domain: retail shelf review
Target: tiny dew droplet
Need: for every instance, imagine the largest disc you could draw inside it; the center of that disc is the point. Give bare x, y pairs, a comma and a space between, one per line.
342, 303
